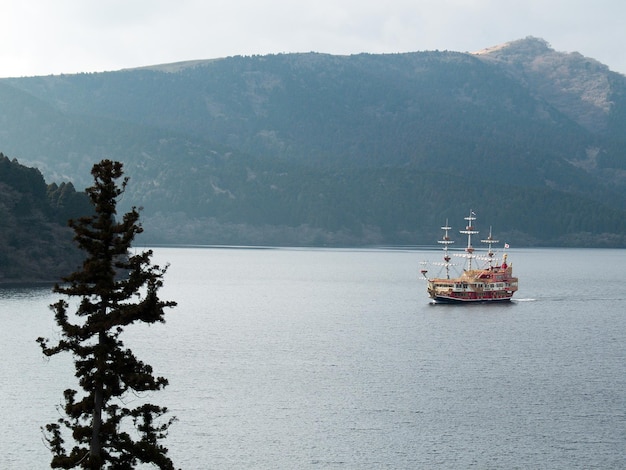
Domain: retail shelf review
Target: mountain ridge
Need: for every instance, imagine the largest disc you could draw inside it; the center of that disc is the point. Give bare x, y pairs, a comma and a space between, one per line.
268, 149
557, 74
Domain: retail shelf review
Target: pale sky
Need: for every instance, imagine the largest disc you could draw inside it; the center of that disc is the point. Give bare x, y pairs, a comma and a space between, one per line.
43, 37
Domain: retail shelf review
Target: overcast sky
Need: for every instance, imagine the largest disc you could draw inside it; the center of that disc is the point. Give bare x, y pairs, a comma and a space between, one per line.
42, 37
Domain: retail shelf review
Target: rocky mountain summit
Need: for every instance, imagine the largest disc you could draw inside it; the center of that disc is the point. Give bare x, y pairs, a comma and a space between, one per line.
578, 86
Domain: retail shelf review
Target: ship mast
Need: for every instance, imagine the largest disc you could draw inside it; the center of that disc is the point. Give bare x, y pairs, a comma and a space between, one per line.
490, 241
445, 241
469, 231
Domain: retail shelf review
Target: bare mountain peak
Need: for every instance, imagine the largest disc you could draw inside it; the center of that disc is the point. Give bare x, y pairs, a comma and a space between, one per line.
174, 67
530, 45
576, 85
536, 53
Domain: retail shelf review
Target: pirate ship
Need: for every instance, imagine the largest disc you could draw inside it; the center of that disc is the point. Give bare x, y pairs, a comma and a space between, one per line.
485, 278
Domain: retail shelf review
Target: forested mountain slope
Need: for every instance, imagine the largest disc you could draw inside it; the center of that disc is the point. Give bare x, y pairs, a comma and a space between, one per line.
363, 149
35, 241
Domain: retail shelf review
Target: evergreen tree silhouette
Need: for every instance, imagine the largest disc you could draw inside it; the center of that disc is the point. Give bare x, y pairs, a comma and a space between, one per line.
115, 289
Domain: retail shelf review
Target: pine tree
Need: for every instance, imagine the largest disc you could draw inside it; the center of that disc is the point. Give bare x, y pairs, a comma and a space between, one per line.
115, 289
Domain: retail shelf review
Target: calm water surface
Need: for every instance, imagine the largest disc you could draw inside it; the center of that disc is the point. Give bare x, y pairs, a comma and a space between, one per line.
282, 358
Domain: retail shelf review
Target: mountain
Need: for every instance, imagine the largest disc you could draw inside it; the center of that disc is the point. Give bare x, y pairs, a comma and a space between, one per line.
35, 241
310, 149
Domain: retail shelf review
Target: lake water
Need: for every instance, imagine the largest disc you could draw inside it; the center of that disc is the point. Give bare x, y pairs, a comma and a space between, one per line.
288, 358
